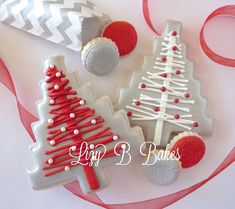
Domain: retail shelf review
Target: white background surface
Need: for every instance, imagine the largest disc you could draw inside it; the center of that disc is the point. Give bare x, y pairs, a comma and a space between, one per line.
23, 54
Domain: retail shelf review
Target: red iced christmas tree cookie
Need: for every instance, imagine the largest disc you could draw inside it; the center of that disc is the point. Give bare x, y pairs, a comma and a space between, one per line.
76, 135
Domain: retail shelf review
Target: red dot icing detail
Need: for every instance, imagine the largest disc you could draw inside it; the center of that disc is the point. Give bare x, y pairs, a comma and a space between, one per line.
177, 72
123, 34
164, 75
196, 124
187, 95
137, 103
129, 114
191, 150
164, 59
163, 89
143, 85
176, 101
174, 48
156, 109
174, 33
177, 116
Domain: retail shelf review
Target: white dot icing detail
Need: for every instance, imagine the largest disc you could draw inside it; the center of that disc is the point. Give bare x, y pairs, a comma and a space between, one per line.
50, 121
52, 142
72, 115
56, 87
66, 168
58, 74
82, 102
51, 66
52, 101
50, 161
63, 129
115, 137
92, 146
93, 121
76, 131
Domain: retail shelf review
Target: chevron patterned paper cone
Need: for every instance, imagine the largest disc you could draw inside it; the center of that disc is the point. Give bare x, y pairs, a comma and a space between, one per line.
70, 23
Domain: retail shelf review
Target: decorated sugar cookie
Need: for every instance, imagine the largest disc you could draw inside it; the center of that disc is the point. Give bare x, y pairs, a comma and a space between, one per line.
76, 135
162, 171
100, 56
123, 34
164, 99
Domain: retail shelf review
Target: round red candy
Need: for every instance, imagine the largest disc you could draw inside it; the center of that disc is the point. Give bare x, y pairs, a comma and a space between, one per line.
123, 34
191, 150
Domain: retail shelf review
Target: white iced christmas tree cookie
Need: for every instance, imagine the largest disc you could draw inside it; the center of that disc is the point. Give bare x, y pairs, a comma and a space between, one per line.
164, 98
75, 127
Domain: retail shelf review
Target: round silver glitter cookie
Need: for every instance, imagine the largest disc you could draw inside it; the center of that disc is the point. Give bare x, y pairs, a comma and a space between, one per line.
100, 56
163, 171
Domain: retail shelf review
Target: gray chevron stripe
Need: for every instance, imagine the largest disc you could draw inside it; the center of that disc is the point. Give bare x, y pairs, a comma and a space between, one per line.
24, 14
66, 23
11, 18
62, 27
88, 5
46, 15
77, 7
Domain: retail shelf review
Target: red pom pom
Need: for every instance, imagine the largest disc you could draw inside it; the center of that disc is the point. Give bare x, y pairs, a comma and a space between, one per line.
191, 150
123, 34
